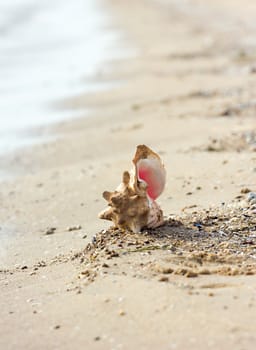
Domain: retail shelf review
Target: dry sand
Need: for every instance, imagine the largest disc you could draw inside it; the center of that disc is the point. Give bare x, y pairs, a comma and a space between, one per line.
190, 95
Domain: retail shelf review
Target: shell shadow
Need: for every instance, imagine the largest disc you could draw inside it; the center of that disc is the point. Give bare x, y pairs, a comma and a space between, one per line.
174, 229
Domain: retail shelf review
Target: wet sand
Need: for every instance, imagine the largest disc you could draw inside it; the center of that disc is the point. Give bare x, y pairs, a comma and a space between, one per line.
67, 280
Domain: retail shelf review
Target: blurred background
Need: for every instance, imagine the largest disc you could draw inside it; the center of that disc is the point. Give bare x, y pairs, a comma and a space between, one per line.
49, 50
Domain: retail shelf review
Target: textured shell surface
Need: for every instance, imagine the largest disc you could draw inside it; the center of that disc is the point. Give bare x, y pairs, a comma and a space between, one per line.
132, 205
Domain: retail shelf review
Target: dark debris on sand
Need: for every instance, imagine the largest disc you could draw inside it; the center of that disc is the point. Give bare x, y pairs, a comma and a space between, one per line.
220, 240
238, 142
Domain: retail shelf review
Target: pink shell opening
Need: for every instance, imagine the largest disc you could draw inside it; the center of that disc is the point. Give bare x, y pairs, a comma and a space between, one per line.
153, 175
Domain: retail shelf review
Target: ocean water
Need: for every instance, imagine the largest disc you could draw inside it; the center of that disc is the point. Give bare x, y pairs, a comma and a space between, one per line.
49, 50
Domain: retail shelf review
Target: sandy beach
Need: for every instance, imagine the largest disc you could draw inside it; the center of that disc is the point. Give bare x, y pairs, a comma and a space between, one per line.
68, 281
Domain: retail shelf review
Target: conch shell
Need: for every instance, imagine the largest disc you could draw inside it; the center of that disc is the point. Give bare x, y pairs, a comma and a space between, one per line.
132, 205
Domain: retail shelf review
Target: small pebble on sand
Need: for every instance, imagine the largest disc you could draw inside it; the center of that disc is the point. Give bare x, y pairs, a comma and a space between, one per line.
245, 190
74, 228
191, 274
50, 231
251, 196
163, 279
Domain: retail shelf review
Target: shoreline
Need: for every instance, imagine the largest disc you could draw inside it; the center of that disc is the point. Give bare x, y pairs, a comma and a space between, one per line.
190, 101
40, 73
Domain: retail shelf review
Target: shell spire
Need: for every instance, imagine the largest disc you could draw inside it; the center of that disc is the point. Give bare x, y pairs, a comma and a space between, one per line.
132, 205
